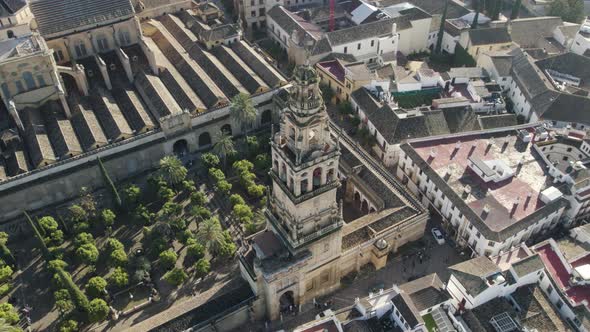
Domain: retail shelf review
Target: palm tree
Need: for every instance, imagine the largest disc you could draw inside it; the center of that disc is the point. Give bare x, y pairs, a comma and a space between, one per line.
224, 148
211, 234
5, 327
172, 170
242, 112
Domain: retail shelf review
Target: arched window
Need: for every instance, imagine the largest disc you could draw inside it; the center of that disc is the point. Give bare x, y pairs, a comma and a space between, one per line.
80, 49
124, 37
226, 129
41, 81
204, 139
102, 42
29, 80
10, 34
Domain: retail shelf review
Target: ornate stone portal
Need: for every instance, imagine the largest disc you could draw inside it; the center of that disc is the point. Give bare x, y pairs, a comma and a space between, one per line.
295, 258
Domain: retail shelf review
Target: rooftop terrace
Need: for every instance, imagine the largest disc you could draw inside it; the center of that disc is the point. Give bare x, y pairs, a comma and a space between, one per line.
451, 162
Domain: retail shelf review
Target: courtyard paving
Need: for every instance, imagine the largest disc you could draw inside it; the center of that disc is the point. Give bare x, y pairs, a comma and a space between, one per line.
405, 266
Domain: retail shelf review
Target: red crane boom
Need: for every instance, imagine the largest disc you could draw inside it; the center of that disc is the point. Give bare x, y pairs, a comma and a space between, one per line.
332, 20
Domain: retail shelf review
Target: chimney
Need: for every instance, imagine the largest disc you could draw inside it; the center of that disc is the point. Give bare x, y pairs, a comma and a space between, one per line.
394, 29
432, 152
491, 142
458, 145
485, 211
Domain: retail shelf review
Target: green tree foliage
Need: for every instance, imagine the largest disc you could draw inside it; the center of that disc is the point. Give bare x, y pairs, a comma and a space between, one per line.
5, 272
55, 238
69, 325
143, 215
327, 93
202, 267
198, 198
119, 277
256, 190
98, 310
118, 258
78, 297
345, 107
96, 287
262, 162
40, 239
216, 174
48, 224
462, 58
223, 187
87, 202
178, 224
87, 253
83, 238
228, 247
171, 209
195, 251
167, 259
113, 244
210, 160
210, 233
5, 253
77, 213
57, 264
165, 194
8, 313
252, 146
109, 184
108, 217
569, 10
236, 199
172, 170
224, 148
242, 213
242, 112
188, 186
175, 277
200, 212
131, 196
63, 301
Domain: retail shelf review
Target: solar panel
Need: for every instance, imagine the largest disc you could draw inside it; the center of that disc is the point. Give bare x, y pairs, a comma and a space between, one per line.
503, 323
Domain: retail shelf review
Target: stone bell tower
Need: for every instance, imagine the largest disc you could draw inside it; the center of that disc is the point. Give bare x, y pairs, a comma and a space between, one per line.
305, 166
297, 257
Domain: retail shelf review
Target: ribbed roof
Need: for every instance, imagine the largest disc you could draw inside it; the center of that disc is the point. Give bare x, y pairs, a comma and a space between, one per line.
55, 16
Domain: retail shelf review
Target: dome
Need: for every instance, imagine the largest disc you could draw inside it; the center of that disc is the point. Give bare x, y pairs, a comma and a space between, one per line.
381, 244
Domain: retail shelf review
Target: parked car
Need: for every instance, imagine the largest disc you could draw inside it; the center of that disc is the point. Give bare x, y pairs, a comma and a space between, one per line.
438, 236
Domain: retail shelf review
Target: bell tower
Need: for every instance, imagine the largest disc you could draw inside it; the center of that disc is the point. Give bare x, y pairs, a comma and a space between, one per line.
303, 204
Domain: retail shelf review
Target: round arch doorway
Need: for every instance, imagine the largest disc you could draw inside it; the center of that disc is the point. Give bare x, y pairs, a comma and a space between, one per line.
287, 302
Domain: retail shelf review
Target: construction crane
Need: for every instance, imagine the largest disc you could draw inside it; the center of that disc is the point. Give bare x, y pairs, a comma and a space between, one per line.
332, 20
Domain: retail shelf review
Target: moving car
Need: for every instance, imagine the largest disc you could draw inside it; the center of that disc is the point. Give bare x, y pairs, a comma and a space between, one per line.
438, 236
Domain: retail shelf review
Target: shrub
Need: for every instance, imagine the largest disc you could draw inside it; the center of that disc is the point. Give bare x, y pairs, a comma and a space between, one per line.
198, 198
188, 186
77, 213
202, 267
195, 251
87, 253
96, 287
98, 310
223, 187
5, 273
210, 160
114, 244
236, 199
200, 212
5, 289
108, 217
142, 215
118, 258
167, 259
56, 264
56, 237
131, 195
243, 213
69, 325
256, 190
8, 313
178, 224
175, 277
48, 224
119, 277
83, 238
216, 174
